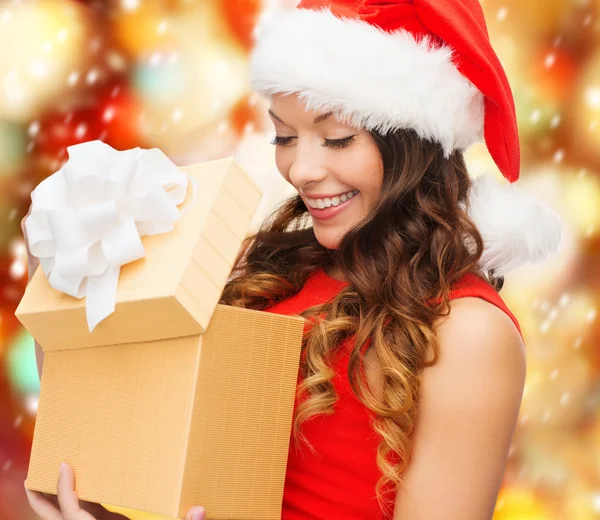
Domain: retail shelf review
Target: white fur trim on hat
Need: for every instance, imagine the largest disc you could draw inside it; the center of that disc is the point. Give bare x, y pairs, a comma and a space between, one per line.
517, 228
368, 77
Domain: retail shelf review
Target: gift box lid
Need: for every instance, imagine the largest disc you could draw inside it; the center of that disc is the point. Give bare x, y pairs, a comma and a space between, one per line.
174, 290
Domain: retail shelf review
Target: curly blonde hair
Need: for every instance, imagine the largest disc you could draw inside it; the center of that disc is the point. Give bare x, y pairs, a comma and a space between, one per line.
405, 254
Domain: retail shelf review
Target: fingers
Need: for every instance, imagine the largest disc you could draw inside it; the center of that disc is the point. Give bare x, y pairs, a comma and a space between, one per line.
52, 498
67, 498
42, 506
196, 513
65, 506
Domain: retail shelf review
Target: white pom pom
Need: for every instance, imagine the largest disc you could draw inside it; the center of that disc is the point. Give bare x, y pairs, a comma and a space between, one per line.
517, 228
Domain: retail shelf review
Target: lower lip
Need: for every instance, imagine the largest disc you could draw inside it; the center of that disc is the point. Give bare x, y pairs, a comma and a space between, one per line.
331, 211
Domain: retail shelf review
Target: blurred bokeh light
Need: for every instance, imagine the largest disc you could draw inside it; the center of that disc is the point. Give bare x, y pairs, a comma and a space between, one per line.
173, 74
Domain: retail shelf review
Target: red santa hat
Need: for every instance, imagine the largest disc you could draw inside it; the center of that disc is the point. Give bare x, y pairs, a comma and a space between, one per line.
427, 65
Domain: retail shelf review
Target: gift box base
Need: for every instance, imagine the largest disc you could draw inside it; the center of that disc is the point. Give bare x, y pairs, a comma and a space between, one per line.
163, 425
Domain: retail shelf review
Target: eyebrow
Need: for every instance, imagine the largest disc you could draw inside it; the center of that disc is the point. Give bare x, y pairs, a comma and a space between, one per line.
318, 119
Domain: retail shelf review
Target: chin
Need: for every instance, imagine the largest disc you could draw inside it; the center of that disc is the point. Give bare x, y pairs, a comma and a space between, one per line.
329, 239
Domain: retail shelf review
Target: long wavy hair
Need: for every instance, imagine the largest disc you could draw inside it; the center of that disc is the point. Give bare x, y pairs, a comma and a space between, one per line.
405, 254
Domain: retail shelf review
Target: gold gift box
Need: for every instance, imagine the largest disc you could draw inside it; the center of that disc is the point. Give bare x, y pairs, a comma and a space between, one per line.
173, 400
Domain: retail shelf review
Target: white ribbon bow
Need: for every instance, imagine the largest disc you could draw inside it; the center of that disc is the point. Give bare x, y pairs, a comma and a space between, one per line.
87, 219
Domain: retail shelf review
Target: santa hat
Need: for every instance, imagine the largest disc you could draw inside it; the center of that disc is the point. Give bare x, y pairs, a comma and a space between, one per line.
427, 65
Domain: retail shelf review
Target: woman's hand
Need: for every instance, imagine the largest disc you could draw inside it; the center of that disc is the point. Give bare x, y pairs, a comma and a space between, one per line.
196, 513
67, 506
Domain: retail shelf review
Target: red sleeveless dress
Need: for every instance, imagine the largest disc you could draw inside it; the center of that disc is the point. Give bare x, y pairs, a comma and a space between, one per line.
338, 483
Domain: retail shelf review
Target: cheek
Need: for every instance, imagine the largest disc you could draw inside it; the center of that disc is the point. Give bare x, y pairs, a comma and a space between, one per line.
372, 183
365, 173
375, 179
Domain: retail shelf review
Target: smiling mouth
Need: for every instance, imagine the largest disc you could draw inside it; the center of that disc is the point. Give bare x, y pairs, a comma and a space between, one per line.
328, 202
331, 211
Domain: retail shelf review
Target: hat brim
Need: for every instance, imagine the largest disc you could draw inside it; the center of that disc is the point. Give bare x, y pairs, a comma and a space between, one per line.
368, 77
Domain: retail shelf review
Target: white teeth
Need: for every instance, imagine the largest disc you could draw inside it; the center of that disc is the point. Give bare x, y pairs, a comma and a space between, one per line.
334, 201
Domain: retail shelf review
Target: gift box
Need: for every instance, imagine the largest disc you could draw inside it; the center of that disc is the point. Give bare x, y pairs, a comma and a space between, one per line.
172, 400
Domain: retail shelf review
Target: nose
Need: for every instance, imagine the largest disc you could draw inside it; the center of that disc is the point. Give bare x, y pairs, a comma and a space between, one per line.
307, 166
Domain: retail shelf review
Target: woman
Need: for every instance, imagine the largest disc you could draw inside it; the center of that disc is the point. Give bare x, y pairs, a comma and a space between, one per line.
413, 367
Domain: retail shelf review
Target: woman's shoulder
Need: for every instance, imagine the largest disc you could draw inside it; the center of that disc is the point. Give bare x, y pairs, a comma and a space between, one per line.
477, 299
478, 332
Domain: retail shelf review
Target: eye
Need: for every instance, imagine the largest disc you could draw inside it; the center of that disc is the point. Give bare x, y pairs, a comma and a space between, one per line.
281, 141
339, 143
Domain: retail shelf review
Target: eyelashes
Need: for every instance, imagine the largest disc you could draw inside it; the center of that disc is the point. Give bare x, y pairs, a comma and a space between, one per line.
281, 141
339, 143
328, 143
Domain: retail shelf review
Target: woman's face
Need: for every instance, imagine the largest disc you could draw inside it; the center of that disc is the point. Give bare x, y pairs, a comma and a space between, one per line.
337, 169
